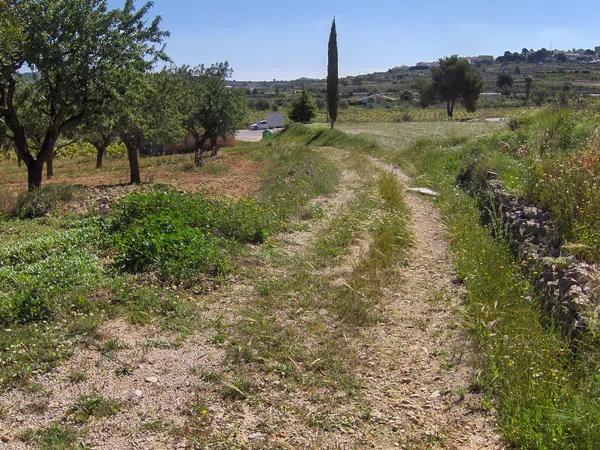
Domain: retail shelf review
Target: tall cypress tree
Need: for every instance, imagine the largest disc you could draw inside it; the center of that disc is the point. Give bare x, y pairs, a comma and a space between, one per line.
332, 76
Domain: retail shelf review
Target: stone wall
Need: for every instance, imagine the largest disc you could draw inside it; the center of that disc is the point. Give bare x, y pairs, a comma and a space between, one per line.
569, 288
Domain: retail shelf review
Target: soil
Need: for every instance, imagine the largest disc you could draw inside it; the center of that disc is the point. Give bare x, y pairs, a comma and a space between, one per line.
415, 368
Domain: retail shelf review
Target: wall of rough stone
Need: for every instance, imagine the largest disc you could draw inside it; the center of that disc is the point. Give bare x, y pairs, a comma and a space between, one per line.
569, 288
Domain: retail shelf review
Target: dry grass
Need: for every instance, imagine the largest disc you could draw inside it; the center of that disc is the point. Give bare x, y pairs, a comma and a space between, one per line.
230, 174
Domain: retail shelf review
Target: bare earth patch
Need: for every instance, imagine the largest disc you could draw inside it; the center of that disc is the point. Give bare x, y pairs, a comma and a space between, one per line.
416, 365
230, 174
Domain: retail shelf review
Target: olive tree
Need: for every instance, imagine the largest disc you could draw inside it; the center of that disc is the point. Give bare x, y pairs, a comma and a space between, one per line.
456, 80
83, 55
100, 131
210, 109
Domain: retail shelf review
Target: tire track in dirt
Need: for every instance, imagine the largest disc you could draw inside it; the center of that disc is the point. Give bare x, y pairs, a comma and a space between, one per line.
416, 367
153, 378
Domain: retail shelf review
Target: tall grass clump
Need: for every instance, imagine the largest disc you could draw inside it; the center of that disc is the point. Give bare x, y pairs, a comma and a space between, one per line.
325, 137
295, 174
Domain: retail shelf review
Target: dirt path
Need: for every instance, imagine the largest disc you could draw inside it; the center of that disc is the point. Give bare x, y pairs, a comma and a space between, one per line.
417, 370
413, 369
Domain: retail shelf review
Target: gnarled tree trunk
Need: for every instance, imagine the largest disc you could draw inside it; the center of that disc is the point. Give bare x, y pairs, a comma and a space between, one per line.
134, 164
35, 169
214, 146
200, 142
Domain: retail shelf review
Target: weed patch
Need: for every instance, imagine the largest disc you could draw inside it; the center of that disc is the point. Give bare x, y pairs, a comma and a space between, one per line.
182, 235
53, 437
91, 406
41, 202
547, 396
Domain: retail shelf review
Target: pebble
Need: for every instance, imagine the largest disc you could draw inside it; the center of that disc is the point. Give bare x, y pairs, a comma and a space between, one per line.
436, 394
138, 393
152, 380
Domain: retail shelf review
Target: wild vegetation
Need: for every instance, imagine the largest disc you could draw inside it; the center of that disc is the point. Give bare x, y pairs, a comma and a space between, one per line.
288, 293
545, 384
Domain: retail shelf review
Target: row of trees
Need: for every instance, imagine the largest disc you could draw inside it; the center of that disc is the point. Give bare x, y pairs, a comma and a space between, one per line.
76, 69
541, 55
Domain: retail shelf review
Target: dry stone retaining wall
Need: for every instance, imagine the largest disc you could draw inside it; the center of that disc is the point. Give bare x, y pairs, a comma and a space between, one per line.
569, 287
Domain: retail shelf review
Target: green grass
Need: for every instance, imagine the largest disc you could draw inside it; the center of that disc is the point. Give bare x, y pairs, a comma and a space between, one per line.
294, 175
397, 136
356, 301
54, 437
547, 397
93, 406
63, 275
314, 354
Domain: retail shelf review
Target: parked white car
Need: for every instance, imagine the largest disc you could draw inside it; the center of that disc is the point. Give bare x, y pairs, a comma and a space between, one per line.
262, 125
274, 120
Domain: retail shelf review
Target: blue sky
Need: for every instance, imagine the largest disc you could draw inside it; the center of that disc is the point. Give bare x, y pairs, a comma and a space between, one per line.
267, 39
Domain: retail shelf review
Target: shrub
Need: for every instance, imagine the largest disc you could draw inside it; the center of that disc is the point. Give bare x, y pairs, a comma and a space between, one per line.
181, 235
240, 220
40, 202
303, 108
177, 251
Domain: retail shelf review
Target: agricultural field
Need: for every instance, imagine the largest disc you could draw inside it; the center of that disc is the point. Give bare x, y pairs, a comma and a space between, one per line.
358, 114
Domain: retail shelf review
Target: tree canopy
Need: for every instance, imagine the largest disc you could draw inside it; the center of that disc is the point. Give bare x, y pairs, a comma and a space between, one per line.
333, 76
457, 80
303, 108
82, 54
149, 115
504, 82
210, 108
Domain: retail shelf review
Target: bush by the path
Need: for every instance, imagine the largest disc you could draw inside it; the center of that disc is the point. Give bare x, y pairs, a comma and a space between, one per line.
181, 235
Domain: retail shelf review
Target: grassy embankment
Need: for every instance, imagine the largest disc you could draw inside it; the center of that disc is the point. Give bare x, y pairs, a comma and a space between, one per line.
546, 395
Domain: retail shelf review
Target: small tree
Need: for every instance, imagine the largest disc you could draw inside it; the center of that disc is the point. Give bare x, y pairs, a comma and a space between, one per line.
332, 76
82, 54
211, 109
540, 94
504, 82
456, 80
303, 108
150, 115
528, 87
427, 94
101, 132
